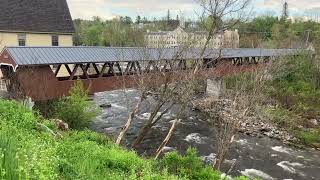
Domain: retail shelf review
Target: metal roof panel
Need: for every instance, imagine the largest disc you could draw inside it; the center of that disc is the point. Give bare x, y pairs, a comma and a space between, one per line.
79, 54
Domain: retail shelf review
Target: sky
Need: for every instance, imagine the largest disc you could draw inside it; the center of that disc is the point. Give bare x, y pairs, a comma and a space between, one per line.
108, 9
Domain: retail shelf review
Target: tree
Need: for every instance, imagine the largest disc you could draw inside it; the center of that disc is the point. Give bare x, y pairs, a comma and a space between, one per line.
93, 35
168, 16
174, 87
215, 11
127, 20
145, 20
138, 19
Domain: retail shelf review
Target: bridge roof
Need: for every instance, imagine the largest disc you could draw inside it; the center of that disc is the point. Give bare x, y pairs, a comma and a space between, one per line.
79, 54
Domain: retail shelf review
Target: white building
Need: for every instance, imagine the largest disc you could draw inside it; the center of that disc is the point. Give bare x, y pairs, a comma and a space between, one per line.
180, 38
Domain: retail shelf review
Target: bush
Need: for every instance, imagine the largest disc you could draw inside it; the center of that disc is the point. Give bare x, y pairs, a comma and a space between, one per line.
75, 109
310, 137
189, 166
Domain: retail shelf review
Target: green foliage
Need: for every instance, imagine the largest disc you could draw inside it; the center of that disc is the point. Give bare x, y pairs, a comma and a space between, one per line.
109, 33
8, 161
294, 85
282, 117
22, 146
75, 109
310, 136
16, 115
26, 152
189, 166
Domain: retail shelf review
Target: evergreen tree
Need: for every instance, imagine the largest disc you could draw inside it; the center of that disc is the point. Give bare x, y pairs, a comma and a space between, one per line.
138, 19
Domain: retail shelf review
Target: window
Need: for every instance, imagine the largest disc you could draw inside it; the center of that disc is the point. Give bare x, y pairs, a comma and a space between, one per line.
22, 39
55, 40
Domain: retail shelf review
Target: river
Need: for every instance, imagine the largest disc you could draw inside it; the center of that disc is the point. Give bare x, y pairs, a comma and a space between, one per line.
255, 157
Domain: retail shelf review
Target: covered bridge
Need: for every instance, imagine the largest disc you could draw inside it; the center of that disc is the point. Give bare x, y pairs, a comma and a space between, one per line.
44, 73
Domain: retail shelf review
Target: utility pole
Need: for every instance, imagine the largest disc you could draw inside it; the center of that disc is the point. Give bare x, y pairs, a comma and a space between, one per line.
285, 11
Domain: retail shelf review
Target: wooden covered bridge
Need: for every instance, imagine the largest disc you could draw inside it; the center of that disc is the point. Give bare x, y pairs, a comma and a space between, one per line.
44, 73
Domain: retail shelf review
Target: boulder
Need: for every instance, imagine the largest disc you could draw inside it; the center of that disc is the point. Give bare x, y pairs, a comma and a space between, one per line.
312, 123
106, 105
61, 125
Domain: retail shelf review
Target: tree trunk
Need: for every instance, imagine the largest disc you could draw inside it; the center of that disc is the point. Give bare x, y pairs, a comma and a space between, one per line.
129, 121
166, 140
150, 123
145, 130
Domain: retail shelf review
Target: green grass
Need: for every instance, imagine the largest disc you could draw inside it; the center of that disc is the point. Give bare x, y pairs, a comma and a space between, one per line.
311, 137
30, 152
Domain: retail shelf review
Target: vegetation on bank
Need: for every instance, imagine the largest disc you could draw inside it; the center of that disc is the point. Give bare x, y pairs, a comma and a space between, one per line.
33, 148
292, 89
295, 86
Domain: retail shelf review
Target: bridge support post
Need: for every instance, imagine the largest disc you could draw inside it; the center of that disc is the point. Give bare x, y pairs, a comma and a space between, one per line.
216, 87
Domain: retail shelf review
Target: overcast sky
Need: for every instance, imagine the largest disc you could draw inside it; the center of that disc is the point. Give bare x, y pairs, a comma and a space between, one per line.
108, 9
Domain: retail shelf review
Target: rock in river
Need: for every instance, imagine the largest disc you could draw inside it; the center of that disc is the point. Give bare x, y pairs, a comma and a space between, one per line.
106, 105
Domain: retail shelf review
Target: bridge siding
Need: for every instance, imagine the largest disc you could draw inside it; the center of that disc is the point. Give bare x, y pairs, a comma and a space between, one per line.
40, 83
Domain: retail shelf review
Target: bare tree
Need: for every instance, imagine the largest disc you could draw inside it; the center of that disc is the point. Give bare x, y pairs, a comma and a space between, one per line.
178, 85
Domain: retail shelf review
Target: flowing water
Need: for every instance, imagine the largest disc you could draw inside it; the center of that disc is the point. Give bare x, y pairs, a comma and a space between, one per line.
264, 158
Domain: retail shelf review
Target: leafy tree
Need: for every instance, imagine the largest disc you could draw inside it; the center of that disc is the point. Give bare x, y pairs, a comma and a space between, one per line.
264, 25
93, 36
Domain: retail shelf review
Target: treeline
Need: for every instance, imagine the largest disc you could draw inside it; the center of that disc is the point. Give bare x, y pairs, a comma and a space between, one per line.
119, 32
263, 31
274, 32
107, 33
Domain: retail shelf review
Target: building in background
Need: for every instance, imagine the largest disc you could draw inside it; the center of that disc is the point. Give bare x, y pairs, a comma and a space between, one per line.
179, 37
35, 23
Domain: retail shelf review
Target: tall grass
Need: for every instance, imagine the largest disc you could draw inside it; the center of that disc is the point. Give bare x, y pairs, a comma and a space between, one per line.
9, 168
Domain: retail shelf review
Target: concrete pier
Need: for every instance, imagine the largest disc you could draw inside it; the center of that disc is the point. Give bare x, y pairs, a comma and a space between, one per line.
216, 87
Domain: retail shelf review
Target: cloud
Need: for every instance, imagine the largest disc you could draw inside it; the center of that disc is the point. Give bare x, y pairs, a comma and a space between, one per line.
107, 9
297, 6
110, 8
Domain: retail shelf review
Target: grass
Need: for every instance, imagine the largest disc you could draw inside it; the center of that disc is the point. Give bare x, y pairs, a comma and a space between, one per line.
30, 152
311, 137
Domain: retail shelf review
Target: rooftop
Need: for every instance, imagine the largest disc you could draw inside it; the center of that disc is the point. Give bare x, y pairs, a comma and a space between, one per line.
35, 16
73, 55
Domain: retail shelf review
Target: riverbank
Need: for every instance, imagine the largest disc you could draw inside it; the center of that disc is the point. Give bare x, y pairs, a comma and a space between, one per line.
253, 124
254, 156
35, 148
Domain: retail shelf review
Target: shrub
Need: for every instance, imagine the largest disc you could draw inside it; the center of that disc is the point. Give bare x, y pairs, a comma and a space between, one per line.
189, 166
75, 109
310, 137
16, 115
